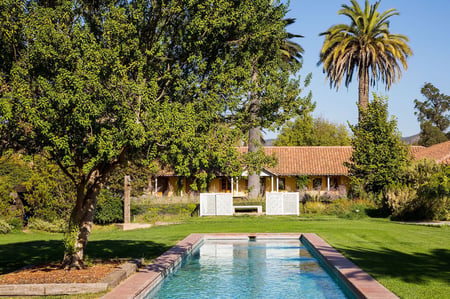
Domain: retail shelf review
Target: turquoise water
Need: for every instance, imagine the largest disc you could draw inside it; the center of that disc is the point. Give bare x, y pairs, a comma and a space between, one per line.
249, 269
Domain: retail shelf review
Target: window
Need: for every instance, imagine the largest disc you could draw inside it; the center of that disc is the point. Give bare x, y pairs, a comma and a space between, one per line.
317, 184
281, 184
335, 183
225, 185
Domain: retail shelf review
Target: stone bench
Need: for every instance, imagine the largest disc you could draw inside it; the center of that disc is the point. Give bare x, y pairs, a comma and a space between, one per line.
248, 209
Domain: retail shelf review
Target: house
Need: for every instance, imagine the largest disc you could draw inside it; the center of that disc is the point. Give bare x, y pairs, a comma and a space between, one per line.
322, 165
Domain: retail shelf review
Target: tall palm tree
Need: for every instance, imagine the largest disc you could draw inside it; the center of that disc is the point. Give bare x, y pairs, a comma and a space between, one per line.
366, 45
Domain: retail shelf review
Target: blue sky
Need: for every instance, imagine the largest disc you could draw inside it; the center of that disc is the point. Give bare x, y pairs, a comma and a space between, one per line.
425, 23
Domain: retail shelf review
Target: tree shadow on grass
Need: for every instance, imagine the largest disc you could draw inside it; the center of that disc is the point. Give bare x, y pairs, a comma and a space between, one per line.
15, 256
18, 255
409, 267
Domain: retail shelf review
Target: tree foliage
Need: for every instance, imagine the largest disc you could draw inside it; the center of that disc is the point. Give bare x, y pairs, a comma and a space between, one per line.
378, 153
433, 115
365, 46
306, 131
271, 58
47, 194
95, 84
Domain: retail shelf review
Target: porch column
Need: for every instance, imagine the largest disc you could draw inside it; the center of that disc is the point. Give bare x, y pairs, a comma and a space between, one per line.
277, 183
328, 183
237, 185
156, 186
271, 181
232, 187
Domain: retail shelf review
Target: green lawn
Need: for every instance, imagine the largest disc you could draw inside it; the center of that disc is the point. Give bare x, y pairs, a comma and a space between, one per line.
412, 261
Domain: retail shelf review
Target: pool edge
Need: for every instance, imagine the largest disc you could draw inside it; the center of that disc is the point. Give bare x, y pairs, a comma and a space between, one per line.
360, 283
139, 284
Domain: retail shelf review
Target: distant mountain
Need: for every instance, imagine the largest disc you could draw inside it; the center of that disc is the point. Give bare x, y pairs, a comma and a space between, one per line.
414, 139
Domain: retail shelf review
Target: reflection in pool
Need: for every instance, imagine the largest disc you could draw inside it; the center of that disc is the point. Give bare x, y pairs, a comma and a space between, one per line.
249, 269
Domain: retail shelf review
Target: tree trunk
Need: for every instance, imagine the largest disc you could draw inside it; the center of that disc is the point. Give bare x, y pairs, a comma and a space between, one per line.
254, 137
80, 225
363, 90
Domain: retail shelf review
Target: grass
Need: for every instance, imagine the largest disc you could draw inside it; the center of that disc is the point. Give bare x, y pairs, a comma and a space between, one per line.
412, 261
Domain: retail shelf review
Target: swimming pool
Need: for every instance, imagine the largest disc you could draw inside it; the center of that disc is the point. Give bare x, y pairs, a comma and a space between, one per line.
144, 282
249, 269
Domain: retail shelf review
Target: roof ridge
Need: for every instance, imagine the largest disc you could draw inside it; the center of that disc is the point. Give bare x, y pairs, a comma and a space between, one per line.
310, 146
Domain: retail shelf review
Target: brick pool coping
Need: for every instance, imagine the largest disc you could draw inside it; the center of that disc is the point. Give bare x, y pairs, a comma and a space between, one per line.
139, 284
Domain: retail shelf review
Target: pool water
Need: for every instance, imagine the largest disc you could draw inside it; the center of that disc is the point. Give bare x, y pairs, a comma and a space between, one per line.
249, 269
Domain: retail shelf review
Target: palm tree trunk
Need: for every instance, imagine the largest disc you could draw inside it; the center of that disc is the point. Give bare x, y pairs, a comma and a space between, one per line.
363, 91
254, 137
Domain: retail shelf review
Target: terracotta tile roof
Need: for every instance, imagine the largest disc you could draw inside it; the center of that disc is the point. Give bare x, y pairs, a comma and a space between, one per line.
314, 160
414, 149
439, 152
309, 160
328, 160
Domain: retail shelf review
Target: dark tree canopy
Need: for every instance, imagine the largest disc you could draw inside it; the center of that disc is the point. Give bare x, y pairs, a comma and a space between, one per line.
433, 115
93, 84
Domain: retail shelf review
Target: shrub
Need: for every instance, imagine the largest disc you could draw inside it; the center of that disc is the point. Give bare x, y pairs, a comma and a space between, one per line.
4, 227
400, 200
332, 196
423, 195
352, 209
109, 208
15, 223
343, 208
57, 226
314, 207
168, 212
9, 207
137, 209
434, 195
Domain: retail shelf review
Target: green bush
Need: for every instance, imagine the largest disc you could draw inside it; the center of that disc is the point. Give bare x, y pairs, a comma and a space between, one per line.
15, 223
351, 209
166, 212
5, 198
137, 209
109, 208
423, 194
314, 207
342, 208
4, 227
57, 226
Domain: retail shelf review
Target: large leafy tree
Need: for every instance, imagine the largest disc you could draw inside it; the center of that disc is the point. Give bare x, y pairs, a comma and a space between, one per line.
272, 58
98, 83
433, 115
378, 155
365, 46
11, 43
